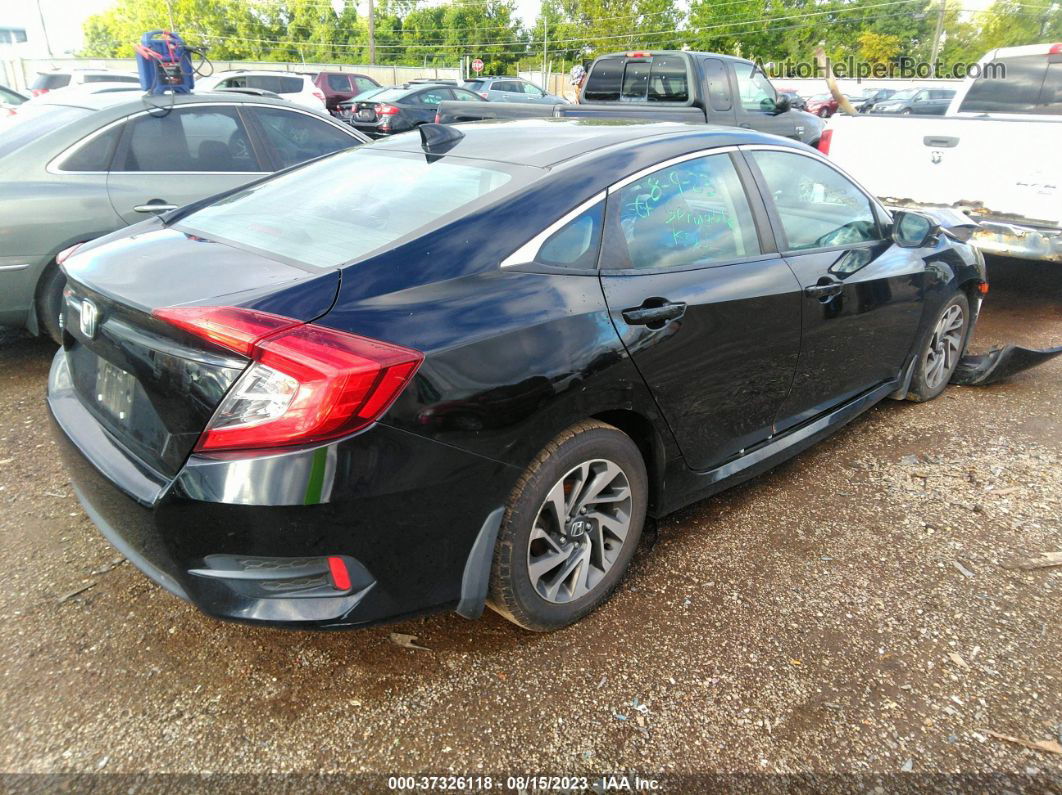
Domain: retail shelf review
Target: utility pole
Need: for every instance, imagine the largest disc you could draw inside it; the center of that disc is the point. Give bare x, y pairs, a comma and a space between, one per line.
545, 42
937, 34
44, 29
372, 34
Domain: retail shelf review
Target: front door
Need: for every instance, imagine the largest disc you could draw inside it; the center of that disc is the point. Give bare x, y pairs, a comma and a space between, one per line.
861, 294
710, 317
170, 160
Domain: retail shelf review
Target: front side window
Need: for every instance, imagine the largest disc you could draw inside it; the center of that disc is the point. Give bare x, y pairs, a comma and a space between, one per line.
818, 206
187, 139
296, 137
531, 90
689, 214
757, 93
322, 216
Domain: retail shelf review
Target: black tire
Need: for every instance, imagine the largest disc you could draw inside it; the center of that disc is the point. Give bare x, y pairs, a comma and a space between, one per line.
513, 593
50, 301
924, 386
905, 112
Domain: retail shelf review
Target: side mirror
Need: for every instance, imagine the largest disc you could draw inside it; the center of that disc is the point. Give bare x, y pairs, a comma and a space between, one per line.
781, 105
911, 230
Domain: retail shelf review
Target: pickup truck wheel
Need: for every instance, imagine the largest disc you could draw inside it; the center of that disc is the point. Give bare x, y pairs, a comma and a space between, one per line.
571, 527
50, 301
941, 349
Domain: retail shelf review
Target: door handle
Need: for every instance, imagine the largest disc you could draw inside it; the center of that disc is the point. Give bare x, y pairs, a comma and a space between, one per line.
654, 312
940, 141
154, 206
824, 290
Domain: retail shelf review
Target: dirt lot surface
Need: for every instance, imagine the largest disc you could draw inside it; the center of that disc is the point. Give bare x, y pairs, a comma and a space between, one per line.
856, 610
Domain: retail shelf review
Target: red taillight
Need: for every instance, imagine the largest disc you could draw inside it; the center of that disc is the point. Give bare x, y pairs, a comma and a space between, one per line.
1056, 49
385, 110
437, 116
982, 288
824, 141
38, 91
337, 567
66, 253
640, 54
320, 95
238, 330
306, 383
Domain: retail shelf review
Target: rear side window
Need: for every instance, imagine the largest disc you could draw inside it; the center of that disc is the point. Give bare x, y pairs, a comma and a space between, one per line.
187, 139
603, 83
718, 85
296, 137
1024, 89
275, 83
95, 155
818, 206
323, 216
339, 82
691, 214
51, 82
575, 244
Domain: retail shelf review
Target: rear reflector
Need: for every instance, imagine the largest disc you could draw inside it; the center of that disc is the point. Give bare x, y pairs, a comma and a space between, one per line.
1056, 49
306, 383
824, 141
340, 576
982, 288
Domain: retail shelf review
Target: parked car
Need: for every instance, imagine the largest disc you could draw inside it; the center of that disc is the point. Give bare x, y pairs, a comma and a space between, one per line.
431, 81
9, 100
61, 78
667, 85
475, 380
346, 109
873, 98
511, 89
994, 156
293, 86
399, 109
72, 172
917, 101
825, 105
340, 86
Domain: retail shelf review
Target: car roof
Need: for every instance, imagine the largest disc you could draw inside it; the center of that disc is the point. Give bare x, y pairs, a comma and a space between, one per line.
547, 142
122, 101
654, 53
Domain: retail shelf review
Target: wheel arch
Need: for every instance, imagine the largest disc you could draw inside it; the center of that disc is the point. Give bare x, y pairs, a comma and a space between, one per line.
650, 444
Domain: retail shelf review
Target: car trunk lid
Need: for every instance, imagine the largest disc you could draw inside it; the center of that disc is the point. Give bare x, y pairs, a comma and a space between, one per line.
152, 385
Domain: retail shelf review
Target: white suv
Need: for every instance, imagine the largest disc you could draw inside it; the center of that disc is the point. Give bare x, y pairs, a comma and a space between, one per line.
294, 86
62, 78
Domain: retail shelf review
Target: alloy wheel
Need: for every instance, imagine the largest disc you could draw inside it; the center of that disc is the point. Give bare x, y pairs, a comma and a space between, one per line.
942, 355
579, 531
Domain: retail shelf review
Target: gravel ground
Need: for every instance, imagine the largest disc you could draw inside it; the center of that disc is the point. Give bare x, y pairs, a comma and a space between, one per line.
857, 610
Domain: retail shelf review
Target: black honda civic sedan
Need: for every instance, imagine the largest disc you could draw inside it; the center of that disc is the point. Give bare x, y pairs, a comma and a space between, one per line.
309, 402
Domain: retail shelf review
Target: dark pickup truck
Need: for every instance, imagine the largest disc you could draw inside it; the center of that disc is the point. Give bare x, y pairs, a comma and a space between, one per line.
666, 85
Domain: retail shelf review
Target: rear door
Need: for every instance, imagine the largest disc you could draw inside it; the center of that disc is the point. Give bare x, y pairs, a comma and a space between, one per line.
707, 309
421, 107
861, 294
167, 161
756, 100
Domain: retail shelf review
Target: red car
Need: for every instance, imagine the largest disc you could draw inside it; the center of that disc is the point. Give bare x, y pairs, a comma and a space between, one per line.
825, 105
340, 86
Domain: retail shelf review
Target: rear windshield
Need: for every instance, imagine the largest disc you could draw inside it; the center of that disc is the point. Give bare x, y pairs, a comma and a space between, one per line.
394, 94
474, 85
32, 121
51, 82
111, 79
1033, 85
322, 215
659, 79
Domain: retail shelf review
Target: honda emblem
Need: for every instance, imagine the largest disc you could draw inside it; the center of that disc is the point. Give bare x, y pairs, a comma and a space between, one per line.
90, 317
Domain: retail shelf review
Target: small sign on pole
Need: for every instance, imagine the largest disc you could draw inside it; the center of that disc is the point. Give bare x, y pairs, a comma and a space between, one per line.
477, 65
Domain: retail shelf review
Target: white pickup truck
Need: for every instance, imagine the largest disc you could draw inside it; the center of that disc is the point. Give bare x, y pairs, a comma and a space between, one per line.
995, 156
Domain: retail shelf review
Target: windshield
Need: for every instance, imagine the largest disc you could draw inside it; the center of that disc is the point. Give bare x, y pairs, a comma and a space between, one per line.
344, 207
32, 121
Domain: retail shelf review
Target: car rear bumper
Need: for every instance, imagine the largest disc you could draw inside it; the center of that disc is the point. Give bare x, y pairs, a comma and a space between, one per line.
249, 538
